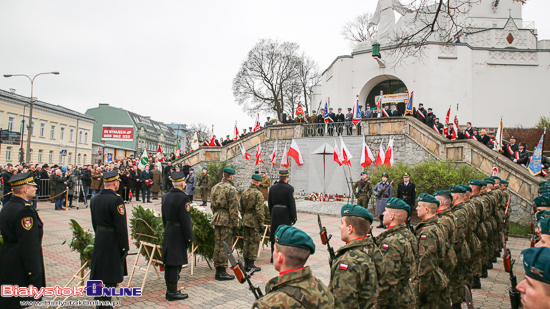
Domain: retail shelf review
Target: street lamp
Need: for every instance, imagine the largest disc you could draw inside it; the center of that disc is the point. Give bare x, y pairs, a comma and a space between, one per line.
29, 127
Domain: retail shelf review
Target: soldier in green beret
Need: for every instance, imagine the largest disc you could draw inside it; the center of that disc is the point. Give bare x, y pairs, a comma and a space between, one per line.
224, 200
353, 275
363, 190
543, 228
295, 286
204, 185
446, 221
542, 203
397, 245
432, 282
251, 207
535, 288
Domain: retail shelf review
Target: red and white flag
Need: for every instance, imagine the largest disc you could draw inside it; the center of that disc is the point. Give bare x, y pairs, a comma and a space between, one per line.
274, 155
455, 130
378, 103
346, 154
257, 124
258, 154
446, 130
380, 157
366, 155
337, 154
284, 160
236, 132
295, 153
245, 154
160, 157
435, 128
388, 157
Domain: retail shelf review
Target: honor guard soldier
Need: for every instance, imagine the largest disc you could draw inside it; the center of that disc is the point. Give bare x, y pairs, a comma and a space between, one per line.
224, 200
21, 260
295, 286
111, 234
543, 226
535, 288
542, 203
178, 234
397, 245
204, 185
446, 221
432, 281
383, 190
252, 209
282, 205
407, 190
363, 190
353, 275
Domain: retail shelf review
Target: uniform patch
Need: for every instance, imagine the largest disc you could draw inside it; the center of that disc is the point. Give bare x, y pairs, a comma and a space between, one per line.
343, 266
188, 206
423, 236
27, 223
121, 209
385, 246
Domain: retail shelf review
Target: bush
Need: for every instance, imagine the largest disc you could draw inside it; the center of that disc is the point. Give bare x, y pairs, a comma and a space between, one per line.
215, 170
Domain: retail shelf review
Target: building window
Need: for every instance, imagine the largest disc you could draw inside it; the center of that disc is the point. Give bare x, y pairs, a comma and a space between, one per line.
8, 153
71, 135
33, 126
50, 158
11, 120
78, 160
40, 156
86, 138
84, 160
80, 137
69, 158
30, 156
43, 130
52, 132
62, 134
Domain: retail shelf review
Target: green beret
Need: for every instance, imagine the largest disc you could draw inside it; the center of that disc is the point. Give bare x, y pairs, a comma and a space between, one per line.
475, 182
542, 214
489, 180
504, 182
495, 177
229, 170
290, 236
428, 198
443, 192
544, 226
536, 262
363, 173
397, 203
467, 187
356, 211
457, 189
204, 168
257, 177
541, 201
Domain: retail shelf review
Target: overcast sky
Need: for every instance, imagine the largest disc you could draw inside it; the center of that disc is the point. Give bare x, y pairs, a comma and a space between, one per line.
172, 60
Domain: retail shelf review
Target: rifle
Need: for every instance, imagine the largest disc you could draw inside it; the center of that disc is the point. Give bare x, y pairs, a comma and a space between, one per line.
515, 296
325, 240
362, 190
468, 297
384, 189
242, 276
533, 234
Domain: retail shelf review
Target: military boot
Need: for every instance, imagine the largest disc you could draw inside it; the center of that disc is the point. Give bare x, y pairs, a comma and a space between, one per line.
484, 273
172, 292
222, 275
457, 306
489, 266
381, 225
476, 283
249, 265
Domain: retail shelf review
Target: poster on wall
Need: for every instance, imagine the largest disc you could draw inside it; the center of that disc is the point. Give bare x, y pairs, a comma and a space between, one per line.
117, 132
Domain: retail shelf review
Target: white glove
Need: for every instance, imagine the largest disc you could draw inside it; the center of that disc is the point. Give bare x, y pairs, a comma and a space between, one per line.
515, 161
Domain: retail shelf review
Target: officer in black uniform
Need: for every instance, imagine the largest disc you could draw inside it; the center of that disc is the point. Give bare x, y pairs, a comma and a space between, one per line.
111, 235
340, 118
282, 205
21, 260
178, 234
330, 126
407, 190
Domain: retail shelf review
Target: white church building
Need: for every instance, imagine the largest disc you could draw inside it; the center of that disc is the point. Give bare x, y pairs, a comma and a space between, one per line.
497, 68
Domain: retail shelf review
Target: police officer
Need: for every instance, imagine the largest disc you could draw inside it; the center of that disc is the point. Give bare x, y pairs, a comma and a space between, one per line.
178, 234
340, 118
295, 286
406, 190
432, 281
353, 275
363, 190
224, 201
111, 234
398, 249
21, 260
251, 207
349, 123
535, 288
330, 126
382, 191
282, 205
204, 185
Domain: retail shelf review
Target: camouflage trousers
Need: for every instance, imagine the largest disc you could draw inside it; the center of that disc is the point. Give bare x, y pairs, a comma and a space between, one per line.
363, 201
251, 238
456, 284
221, 234
436, 300
204, 195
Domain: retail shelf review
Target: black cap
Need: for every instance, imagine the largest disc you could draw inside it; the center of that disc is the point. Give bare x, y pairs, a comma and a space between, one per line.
177, 176
283, 173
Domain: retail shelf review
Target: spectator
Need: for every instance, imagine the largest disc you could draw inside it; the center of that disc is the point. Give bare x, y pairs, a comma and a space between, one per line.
469, 131
476, 134
60, 187
450, 131
136, 184
522, 156
430, 118
484, 138
6, 175
421, 113
72, 181
97, 181
86, 182
146, 179
438, 126
268, 122
492, 143
155, 188
190, 183
510, 148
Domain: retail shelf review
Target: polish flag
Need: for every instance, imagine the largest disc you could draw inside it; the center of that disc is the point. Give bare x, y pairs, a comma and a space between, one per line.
388, 158
258, 154
346, 154
236, 132
337, 154
274, 155
160, 157
257, 124
446, 130
366, 155
380, 157
245, 154
284, 160
295, 153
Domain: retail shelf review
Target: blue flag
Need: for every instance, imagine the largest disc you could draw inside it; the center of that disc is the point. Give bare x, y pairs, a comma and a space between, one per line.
325, 114
409, 109
535, 166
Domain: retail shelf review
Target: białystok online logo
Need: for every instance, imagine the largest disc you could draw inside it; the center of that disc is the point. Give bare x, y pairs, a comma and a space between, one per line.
93, 288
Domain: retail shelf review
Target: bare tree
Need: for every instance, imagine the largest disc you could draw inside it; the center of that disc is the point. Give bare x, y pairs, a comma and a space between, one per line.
203, 133
359, 29
308, 76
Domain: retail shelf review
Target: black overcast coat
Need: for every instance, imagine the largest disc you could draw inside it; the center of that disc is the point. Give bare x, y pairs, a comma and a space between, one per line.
281, 193
178, 229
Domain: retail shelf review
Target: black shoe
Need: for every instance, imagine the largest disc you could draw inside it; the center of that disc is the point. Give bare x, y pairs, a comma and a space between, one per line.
457, 306
484, 273
494, 260
476, 283
249, 265
489, 266
172, 293
221, 275
380, 226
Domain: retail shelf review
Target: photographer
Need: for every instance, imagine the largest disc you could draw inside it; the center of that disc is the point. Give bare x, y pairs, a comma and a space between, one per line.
86, 181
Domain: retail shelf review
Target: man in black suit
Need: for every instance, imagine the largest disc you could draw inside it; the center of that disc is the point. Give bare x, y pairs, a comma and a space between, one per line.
407, 190
510, 148
146, 179
430, 118
321, 123
136, 184
282, 205
421, 113
438, 126
340, 118
330, 126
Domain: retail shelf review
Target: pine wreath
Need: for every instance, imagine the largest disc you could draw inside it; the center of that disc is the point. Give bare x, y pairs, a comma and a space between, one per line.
82, 241
146, 225
203, 233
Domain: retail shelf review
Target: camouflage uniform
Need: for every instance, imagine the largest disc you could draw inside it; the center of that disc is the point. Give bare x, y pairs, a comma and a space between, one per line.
506, 215
204, 186
462, 249
353, 275
251, 207
365, 192
225, 215
295, 289
473, 241
446, 221
399, 266
432, 282
481, 232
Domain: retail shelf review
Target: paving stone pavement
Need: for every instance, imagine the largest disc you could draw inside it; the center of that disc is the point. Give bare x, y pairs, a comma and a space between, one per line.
204, 292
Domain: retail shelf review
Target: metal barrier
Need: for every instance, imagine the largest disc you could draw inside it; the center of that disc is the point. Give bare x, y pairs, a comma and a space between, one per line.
43, 188
331, 129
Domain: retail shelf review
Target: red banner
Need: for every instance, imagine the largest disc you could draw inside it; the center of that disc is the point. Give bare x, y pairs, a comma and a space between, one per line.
117, 132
